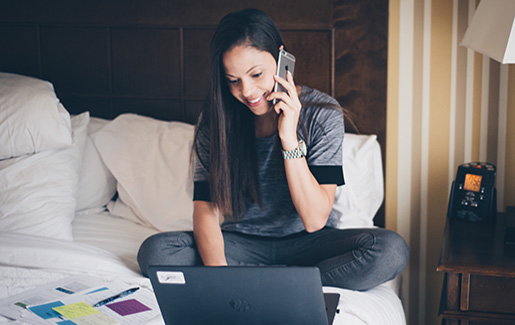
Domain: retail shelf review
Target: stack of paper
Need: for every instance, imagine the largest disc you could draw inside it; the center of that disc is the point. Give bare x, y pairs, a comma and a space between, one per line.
72, 300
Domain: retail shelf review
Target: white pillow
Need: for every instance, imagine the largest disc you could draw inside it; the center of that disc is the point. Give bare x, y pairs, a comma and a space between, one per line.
37, 193
97, 185
31, 117
150, 161
155, 186
357, 202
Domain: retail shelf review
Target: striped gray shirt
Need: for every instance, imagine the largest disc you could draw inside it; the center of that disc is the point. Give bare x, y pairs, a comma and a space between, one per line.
323, 133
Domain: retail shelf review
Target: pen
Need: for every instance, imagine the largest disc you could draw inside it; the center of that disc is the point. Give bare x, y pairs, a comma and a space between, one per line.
120, 295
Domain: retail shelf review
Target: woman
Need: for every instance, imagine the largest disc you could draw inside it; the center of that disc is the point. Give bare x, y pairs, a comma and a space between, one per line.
253, 171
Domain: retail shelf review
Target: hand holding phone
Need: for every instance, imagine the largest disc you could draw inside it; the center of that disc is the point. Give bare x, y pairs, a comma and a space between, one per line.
285, 63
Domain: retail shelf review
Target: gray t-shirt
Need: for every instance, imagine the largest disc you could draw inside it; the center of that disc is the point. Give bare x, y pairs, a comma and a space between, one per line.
323, 133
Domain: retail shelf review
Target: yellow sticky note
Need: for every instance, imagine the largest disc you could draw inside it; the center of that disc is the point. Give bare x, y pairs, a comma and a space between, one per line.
76, 310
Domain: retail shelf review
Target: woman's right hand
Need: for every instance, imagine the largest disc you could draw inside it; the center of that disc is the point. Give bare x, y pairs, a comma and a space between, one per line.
208, 235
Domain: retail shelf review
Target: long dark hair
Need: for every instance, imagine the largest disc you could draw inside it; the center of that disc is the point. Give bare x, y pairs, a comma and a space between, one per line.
233, 166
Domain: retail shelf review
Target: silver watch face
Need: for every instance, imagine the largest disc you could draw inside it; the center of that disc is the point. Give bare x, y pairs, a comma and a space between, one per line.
303, 148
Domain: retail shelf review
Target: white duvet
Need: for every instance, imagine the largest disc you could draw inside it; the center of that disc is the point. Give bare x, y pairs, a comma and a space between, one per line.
106, 246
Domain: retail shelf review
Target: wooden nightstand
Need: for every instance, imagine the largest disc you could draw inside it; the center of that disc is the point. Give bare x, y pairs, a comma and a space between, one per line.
479, 283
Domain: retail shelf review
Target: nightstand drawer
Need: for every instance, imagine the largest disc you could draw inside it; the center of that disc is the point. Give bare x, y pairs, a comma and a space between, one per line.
491, 294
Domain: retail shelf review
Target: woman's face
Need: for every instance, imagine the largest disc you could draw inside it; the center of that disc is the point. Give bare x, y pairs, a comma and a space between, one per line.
250, 75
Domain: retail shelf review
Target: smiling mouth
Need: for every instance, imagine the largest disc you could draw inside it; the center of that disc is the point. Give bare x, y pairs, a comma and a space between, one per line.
255, 102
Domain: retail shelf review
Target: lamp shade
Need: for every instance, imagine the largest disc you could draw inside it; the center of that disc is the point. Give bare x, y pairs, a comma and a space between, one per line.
492, 30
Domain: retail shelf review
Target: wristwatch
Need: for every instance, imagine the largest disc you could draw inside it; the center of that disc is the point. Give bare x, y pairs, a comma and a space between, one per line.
299, 152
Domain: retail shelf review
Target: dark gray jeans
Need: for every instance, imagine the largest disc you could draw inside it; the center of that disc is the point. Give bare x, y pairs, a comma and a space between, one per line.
357, 259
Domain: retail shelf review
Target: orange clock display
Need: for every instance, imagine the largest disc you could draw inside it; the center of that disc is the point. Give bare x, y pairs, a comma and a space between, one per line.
472, 182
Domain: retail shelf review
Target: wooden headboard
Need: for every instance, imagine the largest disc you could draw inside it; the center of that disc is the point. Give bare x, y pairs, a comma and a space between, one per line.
151, 57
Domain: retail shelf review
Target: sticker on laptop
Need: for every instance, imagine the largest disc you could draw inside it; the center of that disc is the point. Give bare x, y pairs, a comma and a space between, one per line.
169, 277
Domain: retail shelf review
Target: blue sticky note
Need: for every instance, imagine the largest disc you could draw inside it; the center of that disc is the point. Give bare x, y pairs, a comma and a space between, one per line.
45, 311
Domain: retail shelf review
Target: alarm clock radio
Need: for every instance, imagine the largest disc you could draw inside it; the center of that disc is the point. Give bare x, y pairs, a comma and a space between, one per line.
473, 195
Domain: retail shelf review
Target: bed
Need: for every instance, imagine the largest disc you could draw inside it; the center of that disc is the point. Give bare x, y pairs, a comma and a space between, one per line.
79, 194
97, 106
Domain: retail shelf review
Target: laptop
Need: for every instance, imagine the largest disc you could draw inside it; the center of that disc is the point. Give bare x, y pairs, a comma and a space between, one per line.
242, 295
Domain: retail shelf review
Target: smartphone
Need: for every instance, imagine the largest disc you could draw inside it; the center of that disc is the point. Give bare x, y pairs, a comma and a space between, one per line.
285, 62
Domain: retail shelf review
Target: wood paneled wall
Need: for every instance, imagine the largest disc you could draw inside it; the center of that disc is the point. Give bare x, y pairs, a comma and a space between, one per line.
151, 58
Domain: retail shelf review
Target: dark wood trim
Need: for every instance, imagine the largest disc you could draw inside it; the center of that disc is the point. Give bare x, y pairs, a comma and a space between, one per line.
465, 291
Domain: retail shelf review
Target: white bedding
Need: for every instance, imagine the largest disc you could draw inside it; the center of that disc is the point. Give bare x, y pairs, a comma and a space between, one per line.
58, 216
106, 246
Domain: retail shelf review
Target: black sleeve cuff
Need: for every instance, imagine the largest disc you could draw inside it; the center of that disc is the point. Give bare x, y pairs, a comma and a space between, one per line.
328, 174
201, 191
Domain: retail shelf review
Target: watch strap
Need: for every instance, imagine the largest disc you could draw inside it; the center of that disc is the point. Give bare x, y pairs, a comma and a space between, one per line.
296, 153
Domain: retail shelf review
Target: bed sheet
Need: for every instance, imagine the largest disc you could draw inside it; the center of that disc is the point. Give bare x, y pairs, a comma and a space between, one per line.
106, 246
119, 236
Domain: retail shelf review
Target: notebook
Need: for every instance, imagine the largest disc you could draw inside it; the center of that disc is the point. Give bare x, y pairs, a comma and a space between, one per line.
242, 295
